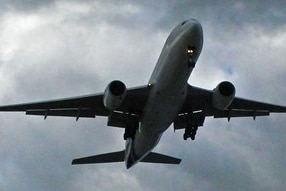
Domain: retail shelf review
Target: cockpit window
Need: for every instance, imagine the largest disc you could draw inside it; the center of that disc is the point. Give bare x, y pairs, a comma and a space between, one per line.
184, 22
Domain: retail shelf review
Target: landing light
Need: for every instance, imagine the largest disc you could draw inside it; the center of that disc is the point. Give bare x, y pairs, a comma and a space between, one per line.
190, 51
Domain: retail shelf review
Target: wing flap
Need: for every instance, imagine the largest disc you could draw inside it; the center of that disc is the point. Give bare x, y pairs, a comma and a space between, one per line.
86, 112
239, 113
93, 102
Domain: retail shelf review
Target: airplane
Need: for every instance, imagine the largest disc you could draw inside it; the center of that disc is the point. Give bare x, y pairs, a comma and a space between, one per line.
147, 111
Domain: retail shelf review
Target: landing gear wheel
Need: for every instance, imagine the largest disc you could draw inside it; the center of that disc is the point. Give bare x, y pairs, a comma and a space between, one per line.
130, 132
126, 136
185, 136
192, 137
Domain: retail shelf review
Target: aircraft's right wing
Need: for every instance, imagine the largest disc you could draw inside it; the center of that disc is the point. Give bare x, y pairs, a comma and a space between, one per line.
241, 104
84, 106
199, 99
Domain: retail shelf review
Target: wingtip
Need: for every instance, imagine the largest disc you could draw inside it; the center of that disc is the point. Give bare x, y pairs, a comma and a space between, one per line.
74, 162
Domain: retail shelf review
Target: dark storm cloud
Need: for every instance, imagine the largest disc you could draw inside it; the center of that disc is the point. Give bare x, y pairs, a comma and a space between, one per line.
229, 14
25, 5
53, 49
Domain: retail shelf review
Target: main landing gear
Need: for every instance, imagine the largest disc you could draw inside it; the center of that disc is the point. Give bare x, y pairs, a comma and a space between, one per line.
190, 122
130, 131
190, 132
127, 121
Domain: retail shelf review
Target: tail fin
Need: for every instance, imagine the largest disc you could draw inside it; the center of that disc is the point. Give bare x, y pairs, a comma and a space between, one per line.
119, 157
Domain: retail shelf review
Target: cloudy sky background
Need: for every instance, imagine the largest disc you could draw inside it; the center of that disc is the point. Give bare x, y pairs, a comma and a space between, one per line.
55, 49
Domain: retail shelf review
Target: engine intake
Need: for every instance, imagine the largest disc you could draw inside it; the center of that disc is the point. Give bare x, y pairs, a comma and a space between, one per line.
223, 95
114, 94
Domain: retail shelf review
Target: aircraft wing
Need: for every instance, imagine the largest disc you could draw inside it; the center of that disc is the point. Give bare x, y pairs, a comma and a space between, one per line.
84, 106
199, 99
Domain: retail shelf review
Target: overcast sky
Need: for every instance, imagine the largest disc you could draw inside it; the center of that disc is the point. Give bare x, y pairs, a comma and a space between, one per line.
55, 49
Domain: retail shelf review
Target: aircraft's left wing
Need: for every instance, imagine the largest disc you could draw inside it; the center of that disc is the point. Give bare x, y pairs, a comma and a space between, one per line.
199, 99
84, 106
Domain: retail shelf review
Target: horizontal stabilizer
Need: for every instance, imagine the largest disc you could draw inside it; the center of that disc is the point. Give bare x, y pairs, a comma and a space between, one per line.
119, 157
159, 158
103, 158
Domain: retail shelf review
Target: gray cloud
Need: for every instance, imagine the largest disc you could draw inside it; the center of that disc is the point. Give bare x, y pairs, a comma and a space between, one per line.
25, 6
53, 49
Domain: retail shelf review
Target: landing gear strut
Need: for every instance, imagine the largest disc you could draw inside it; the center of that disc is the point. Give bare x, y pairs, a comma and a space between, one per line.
129, 132
190, 122
127, 121
130, 129
190, 132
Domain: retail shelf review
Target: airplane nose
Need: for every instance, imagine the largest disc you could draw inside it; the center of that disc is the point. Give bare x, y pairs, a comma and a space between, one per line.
193, 38
195, 25
192, 28
189, 21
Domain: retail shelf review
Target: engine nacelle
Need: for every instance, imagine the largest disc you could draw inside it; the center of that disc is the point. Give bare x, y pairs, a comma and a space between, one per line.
223, 95
114, 94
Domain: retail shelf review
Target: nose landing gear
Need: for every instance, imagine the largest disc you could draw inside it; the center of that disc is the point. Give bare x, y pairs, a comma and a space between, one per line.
191, 63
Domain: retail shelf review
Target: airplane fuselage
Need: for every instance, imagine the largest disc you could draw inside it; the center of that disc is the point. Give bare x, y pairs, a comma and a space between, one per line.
168, 85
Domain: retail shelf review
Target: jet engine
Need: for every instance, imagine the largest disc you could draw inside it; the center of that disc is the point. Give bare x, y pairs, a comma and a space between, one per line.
114, 94
223, 95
